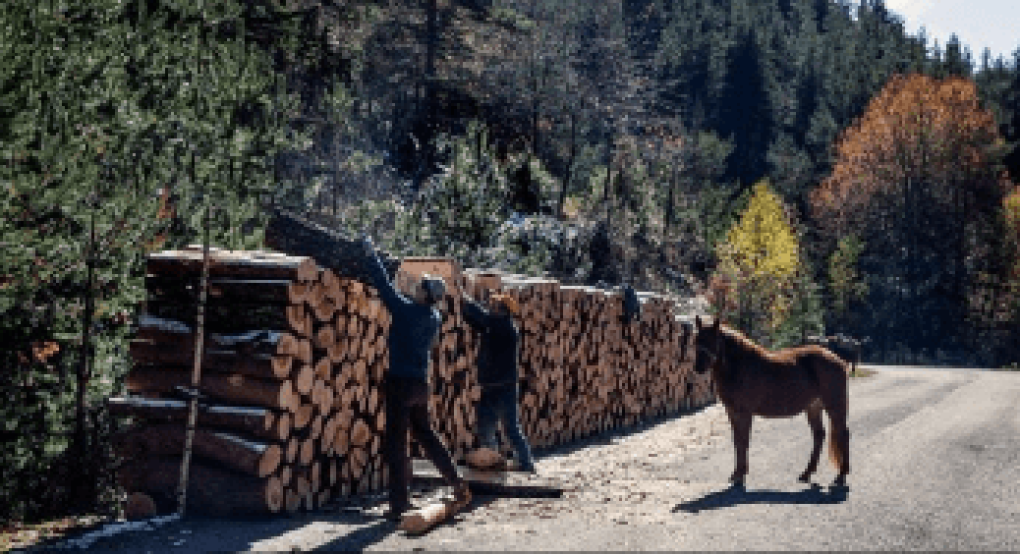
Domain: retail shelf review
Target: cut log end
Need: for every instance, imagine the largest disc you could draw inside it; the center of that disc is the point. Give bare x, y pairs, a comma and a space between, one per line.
420, 521
139, 506
485, 458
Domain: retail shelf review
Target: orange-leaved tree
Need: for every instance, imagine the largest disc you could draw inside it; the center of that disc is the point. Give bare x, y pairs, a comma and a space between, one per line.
915, 180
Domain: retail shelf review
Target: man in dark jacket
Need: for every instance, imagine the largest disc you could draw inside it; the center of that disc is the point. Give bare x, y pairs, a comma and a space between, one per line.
414, 327
497, 373
631, 304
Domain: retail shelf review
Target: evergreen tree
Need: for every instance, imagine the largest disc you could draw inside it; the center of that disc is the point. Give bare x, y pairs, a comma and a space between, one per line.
746, 114
100, 124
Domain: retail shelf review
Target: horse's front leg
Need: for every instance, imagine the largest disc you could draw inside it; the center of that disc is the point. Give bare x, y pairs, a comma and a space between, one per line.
740, 422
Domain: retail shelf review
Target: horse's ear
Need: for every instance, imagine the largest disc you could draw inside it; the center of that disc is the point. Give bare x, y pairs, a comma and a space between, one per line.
715, 325
697, 321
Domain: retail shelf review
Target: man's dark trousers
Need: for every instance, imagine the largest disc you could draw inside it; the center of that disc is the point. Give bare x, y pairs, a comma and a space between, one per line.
499, 403
407, 407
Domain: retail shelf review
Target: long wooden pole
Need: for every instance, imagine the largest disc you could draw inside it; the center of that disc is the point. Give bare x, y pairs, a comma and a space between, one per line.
196, 372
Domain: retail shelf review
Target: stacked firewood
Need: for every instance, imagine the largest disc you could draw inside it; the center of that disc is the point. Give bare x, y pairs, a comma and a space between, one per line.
586, 371
293, 361
292, 411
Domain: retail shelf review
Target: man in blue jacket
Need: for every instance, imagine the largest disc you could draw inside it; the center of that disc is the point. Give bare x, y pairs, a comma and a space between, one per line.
497, 373
414, 326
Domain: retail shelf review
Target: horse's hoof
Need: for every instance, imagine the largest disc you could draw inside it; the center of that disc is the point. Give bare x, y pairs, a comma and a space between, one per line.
804, 478
839, 482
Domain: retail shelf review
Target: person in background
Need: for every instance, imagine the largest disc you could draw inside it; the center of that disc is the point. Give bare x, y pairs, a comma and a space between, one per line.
497, 372
414, 327
631, 304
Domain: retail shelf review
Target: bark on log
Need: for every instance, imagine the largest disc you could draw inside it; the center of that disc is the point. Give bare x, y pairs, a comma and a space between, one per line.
211, 490
258, 422
236, 264
225, 318
297, 236
421, 520
176, 333
231, 388
262, 366
167, 439
265, 291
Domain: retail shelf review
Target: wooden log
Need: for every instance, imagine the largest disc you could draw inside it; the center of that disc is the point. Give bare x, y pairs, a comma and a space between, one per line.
292, 500
139, 506
303, 377
231, 388
295, 235
303, 415
361, 433
325, 337
236, 317
262, 366
261, 423
420, 521
172, 332
485, 458
211, 490
263, 291
256, 265
167, 439
307, 451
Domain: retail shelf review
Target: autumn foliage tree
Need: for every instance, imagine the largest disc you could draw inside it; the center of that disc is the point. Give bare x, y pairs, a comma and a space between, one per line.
915, 181
760, 282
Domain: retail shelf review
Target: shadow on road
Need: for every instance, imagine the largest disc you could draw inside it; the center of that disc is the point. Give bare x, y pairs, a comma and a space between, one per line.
363, 537
736, 495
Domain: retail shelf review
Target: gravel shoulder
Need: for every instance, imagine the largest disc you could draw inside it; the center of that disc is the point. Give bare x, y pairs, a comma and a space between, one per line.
934, 466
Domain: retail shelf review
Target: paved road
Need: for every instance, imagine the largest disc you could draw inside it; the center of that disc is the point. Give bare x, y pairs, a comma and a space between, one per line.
934, 466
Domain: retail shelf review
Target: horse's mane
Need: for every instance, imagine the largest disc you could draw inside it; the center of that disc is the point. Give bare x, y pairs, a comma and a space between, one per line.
742, 342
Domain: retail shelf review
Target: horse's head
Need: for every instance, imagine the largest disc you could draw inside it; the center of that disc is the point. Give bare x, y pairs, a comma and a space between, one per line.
707, 345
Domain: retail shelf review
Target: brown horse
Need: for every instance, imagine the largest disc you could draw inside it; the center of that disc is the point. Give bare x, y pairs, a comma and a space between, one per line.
752, 381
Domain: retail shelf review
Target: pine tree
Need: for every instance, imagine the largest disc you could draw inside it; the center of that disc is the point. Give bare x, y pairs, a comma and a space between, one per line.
105, 104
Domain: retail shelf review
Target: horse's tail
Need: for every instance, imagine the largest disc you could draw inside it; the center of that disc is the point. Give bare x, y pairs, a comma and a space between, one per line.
836, 453
839, 434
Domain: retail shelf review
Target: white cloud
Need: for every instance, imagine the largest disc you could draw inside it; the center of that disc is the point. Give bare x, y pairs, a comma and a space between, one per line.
911, 10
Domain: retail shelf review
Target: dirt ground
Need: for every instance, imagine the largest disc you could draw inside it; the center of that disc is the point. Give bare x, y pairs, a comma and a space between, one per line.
934, 468
619, 478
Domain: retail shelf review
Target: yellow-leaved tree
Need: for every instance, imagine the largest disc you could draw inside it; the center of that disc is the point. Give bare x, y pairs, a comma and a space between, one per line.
757, 281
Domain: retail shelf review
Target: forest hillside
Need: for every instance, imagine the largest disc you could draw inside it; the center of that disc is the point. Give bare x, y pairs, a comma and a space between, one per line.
804, 165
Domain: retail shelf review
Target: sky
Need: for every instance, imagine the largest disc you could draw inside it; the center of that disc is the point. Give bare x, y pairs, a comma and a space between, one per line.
979, 23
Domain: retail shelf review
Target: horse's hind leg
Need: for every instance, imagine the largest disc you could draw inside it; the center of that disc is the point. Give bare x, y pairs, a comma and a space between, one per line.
814, 417
839, 441
740, 422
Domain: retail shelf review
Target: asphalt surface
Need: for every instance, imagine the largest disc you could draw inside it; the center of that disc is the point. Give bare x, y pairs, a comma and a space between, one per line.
935, 465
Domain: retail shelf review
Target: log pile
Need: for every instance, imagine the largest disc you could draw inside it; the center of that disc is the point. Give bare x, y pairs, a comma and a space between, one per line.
293, 365
295, 361
584, 371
